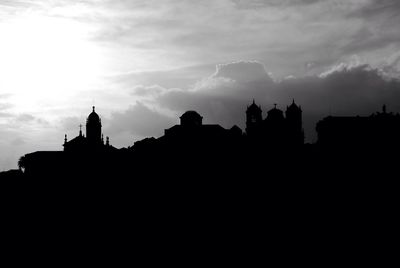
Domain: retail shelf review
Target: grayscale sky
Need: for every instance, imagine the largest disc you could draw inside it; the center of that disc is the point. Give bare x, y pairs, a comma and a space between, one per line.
143, 63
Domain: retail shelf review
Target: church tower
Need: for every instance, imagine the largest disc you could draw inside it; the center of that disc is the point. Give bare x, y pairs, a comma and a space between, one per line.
93, 128
295, 124
253, 119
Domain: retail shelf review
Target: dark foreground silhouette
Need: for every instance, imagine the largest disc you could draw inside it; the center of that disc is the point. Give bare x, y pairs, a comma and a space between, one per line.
269, 160
202, 190
269, 151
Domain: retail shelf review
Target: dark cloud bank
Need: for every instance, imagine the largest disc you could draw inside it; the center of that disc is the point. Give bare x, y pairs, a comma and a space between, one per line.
347, 89
140, 120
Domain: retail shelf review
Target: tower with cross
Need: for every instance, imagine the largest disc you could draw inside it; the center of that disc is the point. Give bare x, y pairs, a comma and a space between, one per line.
253, 119
93, 128
94, 141
276, 129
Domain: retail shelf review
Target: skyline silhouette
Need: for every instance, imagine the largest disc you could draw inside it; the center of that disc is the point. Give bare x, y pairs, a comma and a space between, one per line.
277, 134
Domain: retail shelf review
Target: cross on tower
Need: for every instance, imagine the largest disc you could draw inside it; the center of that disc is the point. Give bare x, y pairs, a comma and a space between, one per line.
80, 130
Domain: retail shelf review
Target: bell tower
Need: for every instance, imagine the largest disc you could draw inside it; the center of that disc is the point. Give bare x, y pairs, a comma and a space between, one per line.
93, 128
253, 119
295, 124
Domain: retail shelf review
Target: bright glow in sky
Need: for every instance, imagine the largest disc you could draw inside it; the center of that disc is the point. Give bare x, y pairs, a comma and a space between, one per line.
46, 60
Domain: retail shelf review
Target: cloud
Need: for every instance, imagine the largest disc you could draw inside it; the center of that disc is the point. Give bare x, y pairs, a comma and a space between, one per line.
18, 141
207, 32
391, 68
243, 71
235, 76
141, 90
376, 31
5, 106
174, 78
140, 121
25, 118
71, 123
2, 114
286, 34
5, 95
378, 8
272, 3
17, 3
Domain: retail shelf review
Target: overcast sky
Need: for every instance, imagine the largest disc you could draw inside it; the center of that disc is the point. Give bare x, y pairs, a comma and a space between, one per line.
143, 63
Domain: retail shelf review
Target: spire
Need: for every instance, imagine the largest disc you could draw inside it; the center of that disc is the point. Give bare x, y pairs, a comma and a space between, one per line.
80, 130
275, 105
93, 108
108, 141
65, 139
293, 101
254, 102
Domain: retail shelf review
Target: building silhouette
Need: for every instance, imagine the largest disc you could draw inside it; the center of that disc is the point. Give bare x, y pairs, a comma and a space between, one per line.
94, 139
253, 120
192, 137
196, 147
276, 130
190, 142
379, 131
191, 129
83, 154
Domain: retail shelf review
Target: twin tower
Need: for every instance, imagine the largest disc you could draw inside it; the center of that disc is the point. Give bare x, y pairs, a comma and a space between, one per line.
275, 130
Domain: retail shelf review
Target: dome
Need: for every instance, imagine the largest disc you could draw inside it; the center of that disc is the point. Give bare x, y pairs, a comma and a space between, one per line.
275, 114
191, 114
93, 117
93, 128
191, 118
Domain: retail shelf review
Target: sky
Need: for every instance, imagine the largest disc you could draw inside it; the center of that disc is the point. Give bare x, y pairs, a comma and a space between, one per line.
143, 63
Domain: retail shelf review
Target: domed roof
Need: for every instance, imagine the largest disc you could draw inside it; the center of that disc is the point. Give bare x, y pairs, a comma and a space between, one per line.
93, 117
275, 113
191, 113
191, 118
